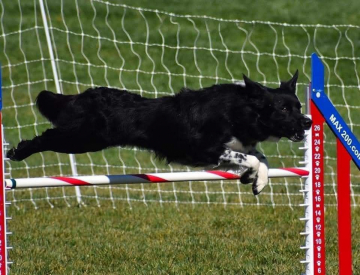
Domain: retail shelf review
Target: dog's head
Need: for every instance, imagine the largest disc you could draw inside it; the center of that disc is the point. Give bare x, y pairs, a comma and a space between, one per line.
281, 110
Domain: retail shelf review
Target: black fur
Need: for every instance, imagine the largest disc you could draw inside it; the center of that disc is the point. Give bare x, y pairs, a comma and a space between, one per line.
191, 127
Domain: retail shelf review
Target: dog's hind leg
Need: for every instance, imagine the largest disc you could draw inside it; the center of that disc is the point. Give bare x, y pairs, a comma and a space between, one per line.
57, 141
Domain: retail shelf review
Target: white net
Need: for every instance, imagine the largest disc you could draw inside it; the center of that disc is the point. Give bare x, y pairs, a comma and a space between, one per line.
154, 53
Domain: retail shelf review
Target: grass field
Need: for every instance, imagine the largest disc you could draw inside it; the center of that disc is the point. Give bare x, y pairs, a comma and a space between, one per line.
168, 240
156, 54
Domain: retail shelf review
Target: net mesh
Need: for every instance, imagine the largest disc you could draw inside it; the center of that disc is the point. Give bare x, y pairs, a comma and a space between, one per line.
155, 53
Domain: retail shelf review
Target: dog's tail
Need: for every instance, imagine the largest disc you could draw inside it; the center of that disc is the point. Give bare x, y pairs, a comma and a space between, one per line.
50, 104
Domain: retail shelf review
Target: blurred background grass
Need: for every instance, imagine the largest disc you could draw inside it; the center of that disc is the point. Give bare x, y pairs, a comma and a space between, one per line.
153, 54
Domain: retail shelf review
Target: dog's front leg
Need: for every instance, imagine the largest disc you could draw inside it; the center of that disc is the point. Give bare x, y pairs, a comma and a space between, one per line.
255, 163
232, 158
262, 178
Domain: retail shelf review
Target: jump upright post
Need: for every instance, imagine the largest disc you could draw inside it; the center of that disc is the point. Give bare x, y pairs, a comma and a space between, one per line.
348, 148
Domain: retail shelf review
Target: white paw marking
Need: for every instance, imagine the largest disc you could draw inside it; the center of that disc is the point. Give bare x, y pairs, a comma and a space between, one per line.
262, 179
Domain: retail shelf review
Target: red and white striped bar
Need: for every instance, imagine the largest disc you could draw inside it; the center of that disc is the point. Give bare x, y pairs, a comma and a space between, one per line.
144, 178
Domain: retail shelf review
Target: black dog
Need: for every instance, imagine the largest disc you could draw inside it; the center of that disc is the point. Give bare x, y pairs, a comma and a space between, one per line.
216, 126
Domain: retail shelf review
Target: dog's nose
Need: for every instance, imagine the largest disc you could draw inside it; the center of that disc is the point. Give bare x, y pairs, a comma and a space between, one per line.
306, 123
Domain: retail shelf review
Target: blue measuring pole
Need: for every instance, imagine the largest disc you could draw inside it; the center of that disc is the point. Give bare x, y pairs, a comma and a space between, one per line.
331, 115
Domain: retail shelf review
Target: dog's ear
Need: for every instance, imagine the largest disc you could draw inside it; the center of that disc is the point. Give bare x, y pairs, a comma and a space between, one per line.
254, 86
291, 84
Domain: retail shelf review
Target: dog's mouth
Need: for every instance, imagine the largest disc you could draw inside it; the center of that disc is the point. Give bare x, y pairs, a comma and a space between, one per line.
300, 131
297, 137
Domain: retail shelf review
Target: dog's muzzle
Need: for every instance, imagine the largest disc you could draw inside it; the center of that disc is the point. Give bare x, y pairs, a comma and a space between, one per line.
305, 125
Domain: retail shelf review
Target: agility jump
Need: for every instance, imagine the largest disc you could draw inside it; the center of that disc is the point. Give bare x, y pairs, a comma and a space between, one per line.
321, 110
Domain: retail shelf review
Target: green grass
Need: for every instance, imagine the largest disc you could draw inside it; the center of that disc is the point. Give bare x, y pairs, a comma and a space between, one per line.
297, 12
168, 240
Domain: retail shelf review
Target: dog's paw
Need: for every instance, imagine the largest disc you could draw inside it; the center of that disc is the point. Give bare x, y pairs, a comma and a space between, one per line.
258, 186
11, 154
248, 176
15, 154
261, 180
